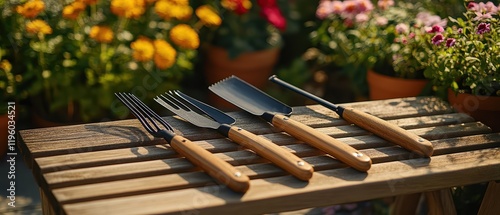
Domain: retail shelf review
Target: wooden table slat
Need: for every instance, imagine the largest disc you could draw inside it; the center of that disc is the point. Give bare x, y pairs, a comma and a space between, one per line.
117, 167
325, 188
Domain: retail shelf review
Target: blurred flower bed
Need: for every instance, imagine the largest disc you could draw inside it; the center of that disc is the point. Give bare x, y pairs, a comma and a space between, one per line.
69, 57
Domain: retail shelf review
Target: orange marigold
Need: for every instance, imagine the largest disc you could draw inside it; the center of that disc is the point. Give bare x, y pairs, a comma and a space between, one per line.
38, 26
238, 6
165, 54
102, 34
73, 10
208, 15
128, 8
31, 8
143, 49
184, 36
168, 9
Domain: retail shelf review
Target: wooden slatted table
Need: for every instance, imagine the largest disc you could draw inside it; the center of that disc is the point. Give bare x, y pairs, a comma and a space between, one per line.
118, 168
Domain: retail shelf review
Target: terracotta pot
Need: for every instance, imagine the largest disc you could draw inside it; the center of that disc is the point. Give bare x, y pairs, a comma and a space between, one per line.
485, 109
3, 134
387, 87
253, 67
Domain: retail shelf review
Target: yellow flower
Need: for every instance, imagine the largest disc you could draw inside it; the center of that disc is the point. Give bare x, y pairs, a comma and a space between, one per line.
5, 66
208, 15
238, 6
73, 10
31, 8
184, 36
128, 8
165, 54
102, 34
143, 49
38, 26
169, 9
180, 2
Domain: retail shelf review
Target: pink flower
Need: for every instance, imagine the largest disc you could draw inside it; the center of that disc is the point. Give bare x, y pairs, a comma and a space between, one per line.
384, 4
450, 42
271, 12
481, 16
364, 6
381, 21
427, 20
325, 8
436, 29
437, 39
402, 28
483, 28
412, 35
362, 17
337, 7
472, 6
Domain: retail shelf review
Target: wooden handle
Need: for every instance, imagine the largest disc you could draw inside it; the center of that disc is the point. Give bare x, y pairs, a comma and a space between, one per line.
272, 152
389, 131
212, 165
325, 143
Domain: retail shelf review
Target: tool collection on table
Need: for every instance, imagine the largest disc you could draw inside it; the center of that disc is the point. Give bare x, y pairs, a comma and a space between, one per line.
256, 102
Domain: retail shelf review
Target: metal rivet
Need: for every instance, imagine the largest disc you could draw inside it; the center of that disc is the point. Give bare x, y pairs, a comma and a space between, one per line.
239, 129
300, 163
285, 118
421, 140
357, 154
237, 174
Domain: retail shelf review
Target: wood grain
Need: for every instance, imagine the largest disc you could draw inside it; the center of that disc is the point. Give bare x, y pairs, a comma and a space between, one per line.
323, 142
117, 167
272, 152
326, 187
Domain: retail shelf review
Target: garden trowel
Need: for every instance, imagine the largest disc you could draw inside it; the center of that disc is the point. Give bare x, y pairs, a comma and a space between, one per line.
380, 127
256, 102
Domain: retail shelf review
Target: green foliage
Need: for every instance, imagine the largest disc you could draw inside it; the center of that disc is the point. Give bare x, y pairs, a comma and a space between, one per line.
250, 31
471, 62
392, 40
69, 71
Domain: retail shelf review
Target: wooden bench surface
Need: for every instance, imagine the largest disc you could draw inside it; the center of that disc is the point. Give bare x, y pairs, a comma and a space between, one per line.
118, 168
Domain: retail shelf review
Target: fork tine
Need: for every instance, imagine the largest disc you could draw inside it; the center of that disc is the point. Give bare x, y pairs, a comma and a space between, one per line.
138, 114
151, 114
176, 101
176, 94
142, 112
194, 107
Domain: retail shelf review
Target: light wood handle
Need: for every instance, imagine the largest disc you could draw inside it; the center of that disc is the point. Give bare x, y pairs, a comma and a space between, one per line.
389, 131
272, 152
212, 165
325, 143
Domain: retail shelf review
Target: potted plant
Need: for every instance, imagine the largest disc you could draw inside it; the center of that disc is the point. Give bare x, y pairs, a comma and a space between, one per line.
387, 40
465, 62
248, 41
74, 55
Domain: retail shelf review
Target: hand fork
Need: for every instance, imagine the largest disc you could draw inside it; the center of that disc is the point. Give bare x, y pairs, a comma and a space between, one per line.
212, 165
203, 115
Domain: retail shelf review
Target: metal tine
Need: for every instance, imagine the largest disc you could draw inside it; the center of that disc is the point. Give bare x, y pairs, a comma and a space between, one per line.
152, 113
195, 107
139, 115
178, 102
143, 112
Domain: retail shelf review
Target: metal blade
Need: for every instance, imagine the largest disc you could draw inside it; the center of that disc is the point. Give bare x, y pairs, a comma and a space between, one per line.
186, 113
215, 113
248, 97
